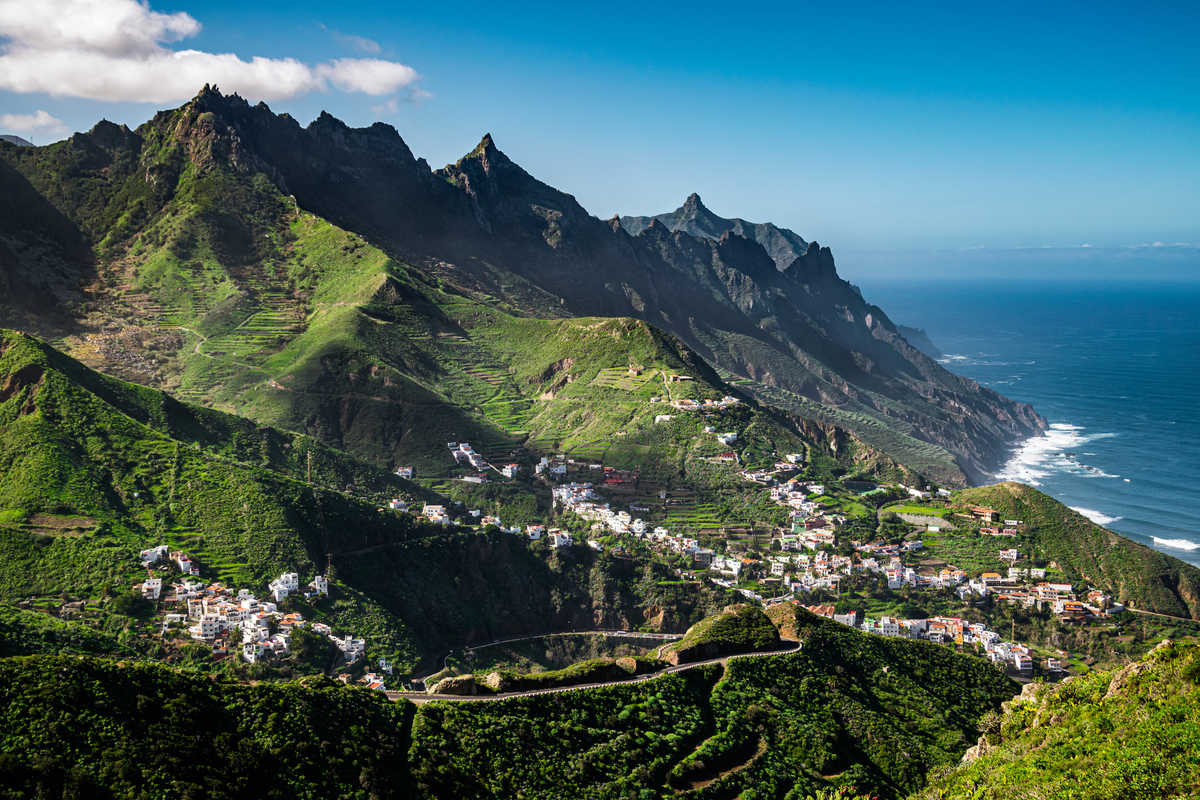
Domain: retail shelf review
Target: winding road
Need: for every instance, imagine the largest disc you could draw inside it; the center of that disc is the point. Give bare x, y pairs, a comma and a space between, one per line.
420, 698
614, 632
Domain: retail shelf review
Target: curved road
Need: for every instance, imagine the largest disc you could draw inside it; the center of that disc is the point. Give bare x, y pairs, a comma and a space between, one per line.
662, 637
420, 698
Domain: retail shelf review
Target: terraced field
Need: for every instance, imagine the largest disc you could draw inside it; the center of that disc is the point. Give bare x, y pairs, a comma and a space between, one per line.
692, 514
624, 378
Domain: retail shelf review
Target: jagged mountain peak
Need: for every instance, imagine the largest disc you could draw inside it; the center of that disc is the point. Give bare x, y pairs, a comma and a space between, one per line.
695, 218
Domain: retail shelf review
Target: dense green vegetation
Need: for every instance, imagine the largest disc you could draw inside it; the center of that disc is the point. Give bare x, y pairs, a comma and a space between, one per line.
737, 629
1128, 734
847, 709
25, 632
82, 727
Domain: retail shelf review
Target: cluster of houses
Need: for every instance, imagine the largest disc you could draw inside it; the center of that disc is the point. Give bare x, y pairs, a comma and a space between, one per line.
943, 630
226, 618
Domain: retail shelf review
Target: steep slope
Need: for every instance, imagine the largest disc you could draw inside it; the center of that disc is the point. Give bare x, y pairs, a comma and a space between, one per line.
216, 286
201, 218
1128, 734
93, 470
1085, 552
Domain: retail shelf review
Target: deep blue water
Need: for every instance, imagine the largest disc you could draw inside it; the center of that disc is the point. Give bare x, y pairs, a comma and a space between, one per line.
1115, 369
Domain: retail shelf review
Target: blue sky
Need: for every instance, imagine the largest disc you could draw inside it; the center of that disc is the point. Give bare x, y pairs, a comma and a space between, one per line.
874, 128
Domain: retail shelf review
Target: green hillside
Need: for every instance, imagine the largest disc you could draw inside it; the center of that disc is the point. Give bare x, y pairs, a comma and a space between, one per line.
83, 727
93, 470
207, 280
848, 709
1127, 734
736, 629
1085, 552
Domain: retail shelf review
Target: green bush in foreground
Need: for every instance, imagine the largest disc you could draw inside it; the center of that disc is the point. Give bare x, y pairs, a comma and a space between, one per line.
1127, 734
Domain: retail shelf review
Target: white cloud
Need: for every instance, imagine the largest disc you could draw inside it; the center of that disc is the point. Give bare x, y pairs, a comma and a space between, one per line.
368, 75
38, 122
114, 50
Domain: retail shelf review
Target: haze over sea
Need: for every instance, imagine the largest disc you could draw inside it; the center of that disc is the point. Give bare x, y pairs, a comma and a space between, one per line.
1113, 366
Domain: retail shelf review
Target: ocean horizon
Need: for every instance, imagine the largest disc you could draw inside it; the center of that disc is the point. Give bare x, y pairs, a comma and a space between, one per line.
1112, 366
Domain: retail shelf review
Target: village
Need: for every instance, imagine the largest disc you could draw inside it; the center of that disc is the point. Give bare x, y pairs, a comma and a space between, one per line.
235, 622
802, 559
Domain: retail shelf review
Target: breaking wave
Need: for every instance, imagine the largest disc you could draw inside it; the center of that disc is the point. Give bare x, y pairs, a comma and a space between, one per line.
1051, 452
1177, 544
1098, 517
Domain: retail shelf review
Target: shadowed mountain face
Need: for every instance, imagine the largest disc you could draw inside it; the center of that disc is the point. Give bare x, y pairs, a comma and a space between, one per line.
764, 306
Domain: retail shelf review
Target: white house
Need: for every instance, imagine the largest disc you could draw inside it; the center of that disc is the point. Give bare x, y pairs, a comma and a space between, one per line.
284, 585
560, 539
319, 585
510, 470
152, 588
405, 472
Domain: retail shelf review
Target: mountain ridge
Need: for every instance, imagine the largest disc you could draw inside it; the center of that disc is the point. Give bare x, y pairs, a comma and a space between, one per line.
800, 338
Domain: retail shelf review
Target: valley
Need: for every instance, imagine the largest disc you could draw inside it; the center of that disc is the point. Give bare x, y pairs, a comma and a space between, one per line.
354, 477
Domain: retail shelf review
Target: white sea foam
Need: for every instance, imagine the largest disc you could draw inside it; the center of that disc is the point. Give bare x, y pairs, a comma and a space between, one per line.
1098, 517
951, 357
1177, 544
1042, 455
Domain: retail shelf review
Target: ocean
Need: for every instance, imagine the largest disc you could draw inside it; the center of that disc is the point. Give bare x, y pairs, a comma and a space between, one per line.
1113, 366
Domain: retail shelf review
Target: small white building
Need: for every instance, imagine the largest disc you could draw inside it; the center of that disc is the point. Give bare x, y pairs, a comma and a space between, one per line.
404, 472
284, 585
152, 588
320, 585
510, 470
560, 539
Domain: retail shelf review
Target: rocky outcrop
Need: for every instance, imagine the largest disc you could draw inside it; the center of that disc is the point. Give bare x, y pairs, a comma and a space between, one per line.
456, 684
